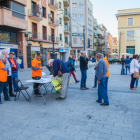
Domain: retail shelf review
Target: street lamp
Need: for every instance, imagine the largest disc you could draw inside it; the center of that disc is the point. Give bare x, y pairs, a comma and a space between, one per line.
53, 54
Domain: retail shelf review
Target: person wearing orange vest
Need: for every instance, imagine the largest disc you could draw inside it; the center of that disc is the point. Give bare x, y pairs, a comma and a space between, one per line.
107, 74
37, 72
3, 77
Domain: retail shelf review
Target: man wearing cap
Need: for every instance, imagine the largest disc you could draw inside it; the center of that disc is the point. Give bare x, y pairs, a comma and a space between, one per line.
14, 67
37, 72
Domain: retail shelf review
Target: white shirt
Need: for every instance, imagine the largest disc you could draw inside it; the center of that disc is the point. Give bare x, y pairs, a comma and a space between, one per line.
9, 74
134, 66
18, 61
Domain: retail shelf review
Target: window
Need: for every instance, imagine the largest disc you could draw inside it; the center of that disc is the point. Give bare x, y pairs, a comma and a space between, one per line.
74, 16
44, 33
81, 40
81, 5
130, 35
66, 26
81, 17
60, 37
13, 37
43, 12
52, 32
59, 5
130, 21
74, 40
74, 28
66, 40
34, 30
74, 5
60, 21
81, 28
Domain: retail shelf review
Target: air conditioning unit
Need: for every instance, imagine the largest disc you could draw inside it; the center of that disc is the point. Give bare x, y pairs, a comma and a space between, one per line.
50, 15
39, 8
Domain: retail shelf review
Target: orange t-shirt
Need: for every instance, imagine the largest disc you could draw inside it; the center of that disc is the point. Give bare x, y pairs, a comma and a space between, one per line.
12, 62
36, 63
107, 74
3, 73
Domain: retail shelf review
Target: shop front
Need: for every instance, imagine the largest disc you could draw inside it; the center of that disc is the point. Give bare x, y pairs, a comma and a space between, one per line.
76, 53
63, 52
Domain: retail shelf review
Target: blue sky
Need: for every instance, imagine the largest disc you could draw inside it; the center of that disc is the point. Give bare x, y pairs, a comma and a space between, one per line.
104, 11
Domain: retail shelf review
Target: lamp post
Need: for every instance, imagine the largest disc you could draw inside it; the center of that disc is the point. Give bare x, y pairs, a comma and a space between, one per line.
53, 54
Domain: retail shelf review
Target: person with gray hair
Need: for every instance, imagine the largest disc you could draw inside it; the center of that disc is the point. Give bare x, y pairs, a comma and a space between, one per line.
102, 80
3, 78
9, 74
83, 68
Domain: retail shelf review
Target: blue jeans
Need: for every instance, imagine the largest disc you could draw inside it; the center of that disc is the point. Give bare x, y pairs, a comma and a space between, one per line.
137, 80
18, 66
127, 67
3, 87
102, 91
14, 76
83, 78
122, 70
95, 81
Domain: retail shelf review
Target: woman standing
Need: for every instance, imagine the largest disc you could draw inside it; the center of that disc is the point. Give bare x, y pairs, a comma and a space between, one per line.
127, 64
137, 80
18, 62
134, 67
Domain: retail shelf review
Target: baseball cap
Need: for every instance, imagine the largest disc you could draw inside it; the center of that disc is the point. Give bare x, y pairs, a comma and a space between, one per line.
11, 53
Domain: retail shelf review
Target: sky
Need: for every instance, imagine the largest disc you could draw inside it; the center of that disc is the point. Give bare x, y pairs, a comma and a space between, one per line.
104, 11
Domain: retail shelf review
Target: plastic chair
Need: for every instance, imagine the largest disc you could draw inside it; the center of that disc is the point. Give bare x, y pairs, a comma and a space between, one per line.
20, 89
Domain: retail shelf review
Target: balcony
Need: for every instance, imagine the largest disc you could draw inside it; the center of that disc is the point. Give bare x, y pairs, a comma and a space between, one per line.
33, 13
67, 30
66, 16
67, 44
7, 19
95, 27
36, 37
66, 3
95, 35
96, 44
53, 4
54, 22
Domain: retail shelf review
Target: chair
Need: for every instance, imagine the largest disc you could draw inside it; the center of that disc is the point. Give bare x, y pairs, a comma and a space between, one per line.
20, 89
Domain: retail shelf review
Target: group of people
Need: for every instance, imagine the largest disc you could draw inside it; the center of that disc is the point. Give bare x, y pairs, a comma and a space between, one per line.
8, 75
131, 65
101, 76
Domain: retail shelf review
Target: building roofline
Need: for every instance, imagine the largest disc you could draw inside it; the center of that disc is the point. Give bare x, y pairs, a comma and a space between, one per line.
128, 9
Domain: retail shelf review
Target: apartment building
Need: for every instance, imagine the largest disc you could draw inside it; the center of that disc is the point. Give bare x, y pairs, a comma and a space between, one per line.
42, 27
64, 29
81, 16
12, 25
115, 45
110, 40
129, 31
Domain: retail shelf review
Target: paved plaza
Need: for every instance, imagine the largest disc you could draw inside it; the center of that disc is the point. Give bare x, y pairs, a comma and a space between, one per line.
79, 116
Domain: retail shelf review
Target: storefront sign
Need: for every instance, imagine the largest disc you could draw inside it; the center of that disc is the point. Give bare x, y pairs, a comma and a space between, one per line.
35, 49
50, 50
12, 46
63, 50
77, 34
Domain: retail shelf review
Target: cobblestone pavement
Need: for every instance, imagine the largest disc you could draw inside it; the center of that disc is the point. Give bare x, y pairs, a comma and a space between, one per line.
78, 117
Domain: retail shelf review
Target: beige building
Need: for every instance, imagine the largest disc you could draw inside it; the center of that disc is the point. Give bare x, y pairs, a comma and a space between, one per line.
42, 20
129, 31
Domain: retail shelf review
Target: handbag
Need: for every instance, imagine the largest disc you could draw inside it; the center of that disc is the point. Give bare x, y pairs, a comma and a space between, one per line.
136, 74
59, 73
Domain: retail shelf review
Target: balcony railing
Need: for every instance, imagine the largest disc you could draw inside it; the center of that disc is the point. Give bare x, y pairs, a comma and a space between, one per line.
54, 22
68, 44
33, 13
66, 15
53, 4
40, 36
67, 29
66, 3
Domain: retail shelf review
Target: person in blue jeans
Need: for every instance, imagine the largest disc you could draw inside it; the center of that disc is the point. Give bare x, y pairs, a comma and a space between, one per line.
122, 62
83, 68
127, 64
102, 81
14, 67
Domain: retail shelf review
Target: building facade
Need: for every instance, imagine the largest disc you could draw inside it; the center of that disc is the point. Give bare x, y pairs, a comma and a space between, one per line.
110, 41
129, 31
81, 16
42, 27
64, 29
115, 45
12, 27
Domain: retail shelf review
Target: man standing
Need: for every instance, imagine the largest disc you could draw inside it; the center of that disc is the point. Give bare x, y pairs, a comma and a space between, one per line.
9, 74
14, 67
71, 64
18, 62
3, 78
123, 62
83, 68
60, 65
37, 72
102, 80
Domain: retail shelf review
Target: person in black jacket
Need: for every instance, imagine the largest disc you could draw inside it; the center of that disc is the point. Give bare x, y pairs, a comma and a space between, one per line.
123, 63
83, 68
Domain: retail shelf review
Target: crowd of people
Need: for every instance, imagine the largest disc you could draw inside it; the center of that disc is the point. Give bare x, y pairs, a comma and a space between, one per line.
133, 66
9, 72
